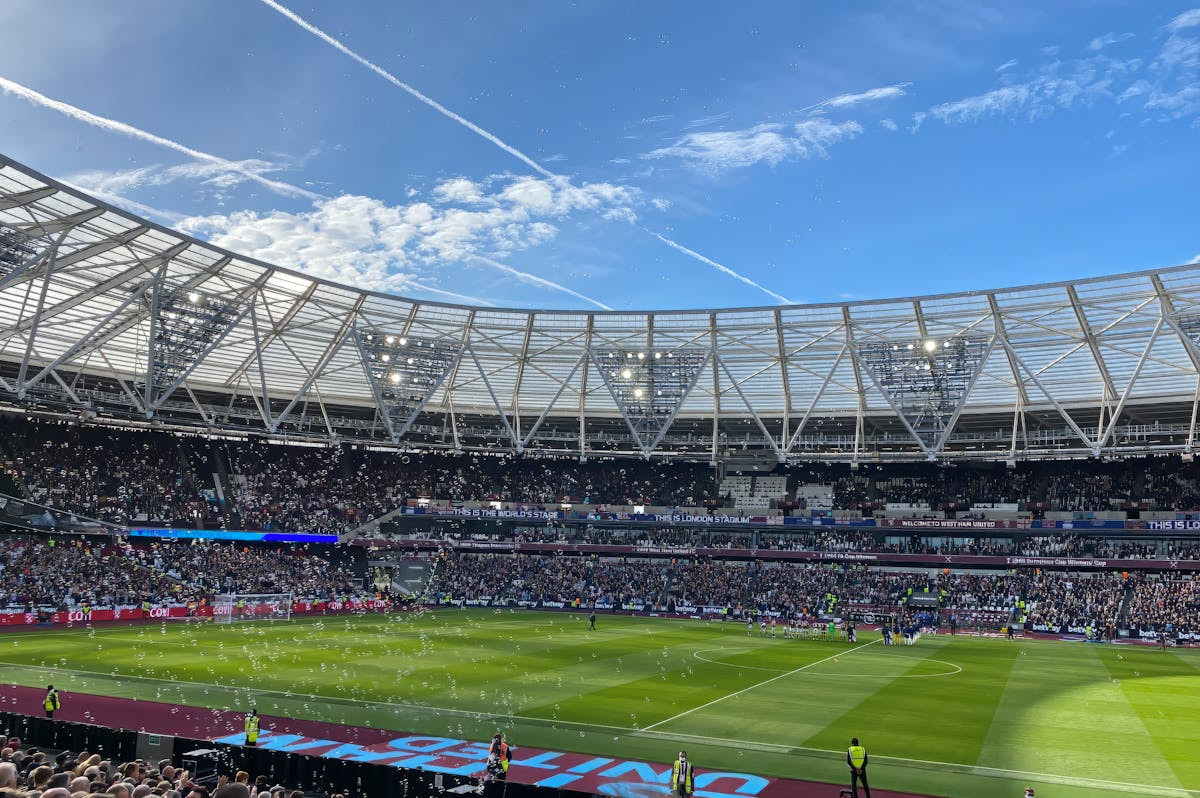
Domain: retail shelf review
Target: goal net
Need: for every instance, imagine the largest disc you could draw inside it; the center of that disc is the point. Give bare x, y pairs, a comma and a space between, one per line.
231, 607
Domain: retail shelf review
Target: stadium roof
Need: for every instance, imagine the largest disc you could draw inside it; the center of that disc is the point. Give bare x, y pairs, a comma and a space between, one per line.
111, 317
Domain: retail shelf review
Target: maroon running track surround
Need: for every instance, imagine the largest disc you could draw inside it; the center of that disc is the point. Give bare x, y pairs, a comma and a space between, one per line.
211, 724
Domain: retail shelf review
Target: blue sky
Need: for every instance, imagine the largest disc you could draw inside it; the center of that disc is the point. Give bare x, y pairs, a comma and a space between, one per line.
630, 154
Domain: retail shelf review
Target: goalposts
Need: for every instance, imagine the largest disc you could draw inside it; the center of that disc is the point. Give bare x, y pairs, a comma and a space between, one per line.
230, 607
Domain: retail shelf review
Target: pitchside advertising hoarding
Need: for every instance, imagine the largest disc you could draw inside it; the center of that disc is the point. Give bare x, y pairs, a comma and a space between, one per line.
180, 612
585, 772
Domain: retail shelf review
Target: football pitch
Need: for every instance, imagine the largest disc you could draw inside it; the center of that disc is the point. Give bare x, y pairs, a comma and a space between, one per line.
949, 716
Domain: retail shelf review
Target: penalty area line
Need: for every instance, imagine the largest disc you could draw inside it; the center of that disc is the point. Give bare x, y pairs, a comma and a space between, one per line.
784, 675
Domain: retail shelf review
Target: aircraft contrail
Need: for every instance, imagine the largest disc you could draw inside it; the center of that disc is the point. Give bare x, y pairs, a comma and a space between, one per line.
389, 77
494, 139
719, 267
464, 298
533, 279
112, 125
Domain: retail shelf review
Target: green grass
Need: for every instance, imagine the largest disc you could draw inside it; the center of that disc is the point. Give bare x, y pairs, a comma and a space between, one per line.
951, 716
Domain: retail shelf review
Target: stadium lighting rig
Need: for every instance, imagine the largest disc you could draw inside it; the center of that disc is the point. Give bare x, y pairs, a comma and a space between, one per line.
16, 250
404, 372
186, 323
649, 386
925, 380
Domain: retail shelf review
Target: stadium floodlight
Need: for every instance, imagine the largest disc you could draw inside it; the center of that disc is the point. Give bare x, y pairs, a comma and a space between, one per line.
186, 325
650, 391
404, 372
925, 384
17, 248
1190, 325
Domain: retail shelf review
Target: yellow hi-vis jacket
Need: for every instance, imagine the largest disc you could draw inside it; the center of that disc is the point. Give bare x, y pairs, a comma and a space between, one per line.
252, 728
52, 701
682, 770
857, 757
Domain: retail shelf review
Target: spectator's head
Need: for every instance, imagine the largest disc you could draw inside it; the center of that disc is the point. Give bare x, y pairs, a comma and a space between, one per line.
234, 789
59, 780
56, 792
8, 775
40, 776
120, 790
141, 791
80, 784
242, 777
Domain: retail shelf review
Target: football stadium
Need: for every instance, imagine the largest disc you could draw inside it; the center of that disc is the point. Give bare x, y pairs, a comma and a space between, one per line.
271, 532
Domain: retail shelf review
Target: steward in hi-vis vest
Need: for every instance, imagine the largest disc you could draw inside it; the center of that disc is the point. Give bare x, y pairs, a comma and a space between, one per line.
856, 758
51, 702
682, 776
252, 728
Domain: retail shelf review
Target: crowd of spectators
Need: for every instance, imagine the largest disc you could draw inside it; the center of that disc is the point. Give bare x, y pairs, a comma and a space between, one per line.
28, 772
125, 476
68, 574
1166, 603
114, 475
1050, 597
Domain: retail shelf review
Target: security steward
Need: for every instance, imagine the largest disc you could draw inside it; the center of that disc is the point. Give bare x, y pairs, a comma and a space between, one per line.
51, 703
252, 723
499, 758
682, 776
856, 758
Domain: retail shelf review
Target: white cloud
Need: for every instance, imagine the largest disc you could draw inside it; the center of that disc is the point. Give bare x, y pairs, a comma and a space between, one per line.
1195, 258
459, 190
1166, 84
371, 244
889, 124
1181, 51
219, 177
1188, 19
1033, 99
1100, 42
1176, 104
772, 143
871, 95
1007, 65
